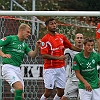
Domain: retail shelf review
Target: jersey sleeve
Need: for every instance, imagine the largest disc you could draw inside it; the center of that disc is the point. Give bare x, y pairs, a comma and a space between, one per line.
75, 64
5, 41
27, 49
45, 47
67, 51
66, 42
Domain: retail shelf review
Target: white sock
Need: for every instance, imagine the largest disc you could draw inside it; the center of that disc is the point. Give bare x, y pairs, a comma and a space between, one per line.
43, 97
56, 97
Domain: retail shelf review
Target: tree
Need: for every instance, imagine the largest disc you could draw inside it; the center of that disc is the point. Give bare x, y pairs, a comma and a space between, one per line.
54, 5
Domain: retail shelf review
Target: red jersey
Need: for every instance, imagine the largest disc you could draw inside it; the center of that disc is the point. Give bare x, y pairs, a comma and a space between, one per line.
54, 45
98, 31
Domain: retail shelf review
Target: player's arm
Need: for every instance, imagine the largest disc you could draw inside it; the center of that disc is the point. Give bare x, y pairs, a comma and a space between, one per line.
99, 83
76, 68
34, 52
4, 55
75, 48
45, 52
4, 41
98, 36
80, 77
98, 68
67, 44
50, 57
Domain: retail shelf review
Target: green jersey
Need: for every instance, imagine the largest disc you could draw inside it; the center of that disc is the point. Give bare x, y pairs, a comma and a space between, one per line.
88, 68
11, 45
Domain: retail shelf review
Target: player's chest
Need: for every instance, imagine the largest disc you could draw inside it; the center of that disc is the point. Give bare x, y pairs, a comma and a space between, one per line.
56, 41
88, 63
17, 45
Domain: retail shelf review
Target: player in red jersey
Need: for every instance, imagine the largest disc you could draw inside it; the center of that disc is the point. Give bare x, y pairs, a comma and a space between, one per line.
52, 51
98, 36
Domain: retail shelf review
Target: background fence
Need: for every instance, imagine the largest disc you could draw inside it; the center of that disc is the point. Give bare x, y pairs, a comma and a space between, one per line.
32, 68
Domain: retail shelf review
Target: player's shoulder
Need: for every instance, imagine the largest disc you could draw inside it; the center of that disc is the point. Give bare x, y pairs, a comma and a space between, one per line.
70, 51
60, 35
8, 38
95, 54
67, 51
79, 54
45, 37
11, 36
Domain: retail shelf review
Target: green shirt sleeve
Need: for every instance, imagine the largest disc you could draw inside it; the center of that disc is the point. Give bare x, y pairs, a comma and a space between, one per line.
5, 41
27, 49
75, 64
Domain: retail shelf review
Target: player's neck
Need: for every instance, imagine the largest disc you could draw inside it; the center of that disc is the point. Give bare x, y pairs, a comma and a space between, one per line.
20, 38
52, 33
86, 54
80, 46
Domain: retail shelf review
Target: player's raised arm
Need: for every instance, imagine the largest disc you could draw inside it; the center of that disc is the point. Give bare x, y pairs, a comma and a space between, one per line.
34, 52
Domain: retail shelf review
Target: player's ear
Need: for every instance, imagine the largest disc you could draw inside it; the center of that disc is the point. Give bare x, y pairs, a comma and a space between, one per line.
47, 27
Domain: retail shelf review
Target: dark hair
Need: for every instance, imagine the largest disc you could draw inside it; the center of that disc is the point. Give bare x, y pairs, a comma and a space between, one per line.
88, 40
47, 21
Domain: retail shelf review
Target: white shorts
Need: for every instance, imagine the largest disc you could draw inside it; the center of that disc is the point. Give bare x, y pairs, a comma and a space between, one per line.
71, 88
54, 77
12, 74
86, 95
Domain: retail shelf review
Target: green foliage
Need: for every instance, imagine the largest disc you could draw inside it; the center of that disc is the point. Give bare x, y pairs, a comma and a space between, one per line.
53, 5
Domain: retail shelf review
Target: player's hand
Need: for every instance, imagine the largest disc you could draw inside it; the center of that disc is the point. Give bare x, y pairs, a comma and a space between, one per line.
38, 43
6, 56
87, 87
99, 83
62, 57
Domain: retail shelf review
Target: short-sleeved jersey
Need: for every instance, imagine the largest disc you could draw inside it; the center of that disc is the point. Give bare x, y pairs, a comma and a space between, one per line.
98, 31
69, 63
54, 45
11, 45
88, 68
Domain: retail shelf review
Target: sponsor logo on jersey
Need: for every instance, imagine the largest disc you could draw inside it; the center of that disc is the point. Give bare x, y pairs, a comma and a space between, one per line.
19, 46
3, 39
74, 63
98, 30
88, 65
43, 43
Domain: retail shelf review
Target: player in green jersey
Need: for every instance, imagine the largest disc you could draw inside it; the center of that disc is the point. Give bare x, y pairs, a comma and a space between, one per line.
13, 50
85, 66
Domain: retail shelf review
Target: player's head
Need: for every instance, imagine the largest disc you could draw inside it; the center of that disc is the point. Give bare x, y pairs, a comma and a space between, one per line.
79, 39
23, 26
88, 44
24, 31
51, 24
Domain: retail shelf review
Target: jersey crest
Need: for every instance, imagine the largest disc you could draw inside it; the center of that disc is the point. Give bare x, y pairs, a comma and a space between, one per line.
98, 30
43, 43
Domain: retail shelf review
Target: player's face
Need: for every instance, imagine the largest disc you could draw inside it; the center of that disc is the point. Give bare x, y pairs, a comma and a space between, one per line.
79, 40
52, 26
89, 46
26, 33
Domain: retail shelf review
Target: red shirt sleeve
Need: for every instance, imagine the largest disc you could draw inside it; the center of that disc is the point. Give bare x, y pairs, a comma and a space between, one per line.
44, 48
66, 43
98, 31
